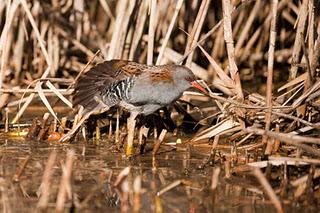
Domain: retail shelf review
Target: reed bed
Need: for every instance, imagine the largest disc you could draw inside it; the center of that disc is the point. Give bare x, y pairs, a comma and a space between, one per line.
259, 61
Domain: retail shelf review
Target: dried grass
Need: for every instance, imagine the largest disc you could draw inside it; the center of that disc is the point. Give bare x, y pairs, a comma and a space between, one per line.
44, 45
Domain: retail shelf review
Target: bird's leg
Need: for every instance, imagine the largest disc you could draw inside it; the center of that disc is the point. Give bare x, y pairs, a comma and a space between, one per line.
131, 123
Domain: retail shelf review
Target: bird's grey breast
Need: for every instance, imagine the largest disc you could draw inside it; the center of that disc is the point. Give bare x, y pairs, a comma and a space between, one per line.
159, 93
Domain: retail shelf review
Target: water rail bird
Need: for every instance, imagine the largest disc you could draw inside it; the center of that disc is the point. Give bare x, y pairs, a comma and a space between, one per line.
139, 88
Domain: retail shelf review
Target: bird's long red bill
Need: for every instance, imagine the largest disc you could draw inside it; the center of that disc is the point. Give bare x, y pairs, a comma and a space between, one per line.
199, 87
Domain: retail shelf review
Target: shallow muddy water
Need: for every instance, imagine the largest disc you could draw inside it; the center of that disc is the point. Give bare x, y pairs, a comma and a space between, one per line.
95, 171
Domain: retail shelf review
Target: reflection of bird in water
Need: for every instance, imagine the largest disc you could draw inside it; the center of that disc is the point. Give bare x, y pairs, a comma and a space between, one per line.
139, 88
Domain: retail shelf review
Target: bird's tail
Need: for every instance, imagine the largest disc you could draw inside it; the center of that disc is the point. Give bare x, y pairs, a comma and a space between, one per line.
91, 86
88, 92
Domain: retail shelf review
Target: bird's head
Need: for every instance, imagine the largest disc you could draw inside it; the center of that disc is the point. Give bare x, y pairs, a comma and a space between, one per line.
185, 74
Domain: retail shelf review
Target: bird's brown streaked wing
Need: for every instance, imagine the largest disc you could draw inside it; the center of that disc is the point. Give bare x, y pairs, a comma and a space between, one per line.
99, 78
164, 76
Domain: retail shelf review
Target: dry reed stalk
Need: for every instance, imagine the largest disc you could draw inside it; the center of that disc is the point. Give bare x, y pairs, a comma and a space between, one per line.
140, 22
302, 180
110, 130
4, 48
124, 196
310, 30
214, 184
218, 46
43, 127
5, 201
175, 57
4, 99
276, 144
169, 187
45, 186
303, 13
227, 82
226, 6
291, 139
18, 53
122, 53
20, 170
98, 135
18, 90
272, 43
117, 132
45, 54
158, 142
313, 125
196, 29
238, 20
65, 188
266, 185
107, 9
137, 194
257, 34
151, 31
306, 94
245, 31
215, 178
6, 124
124, 9
75, 42
122, 175
316, 53
169, 31
227, 169
296, 160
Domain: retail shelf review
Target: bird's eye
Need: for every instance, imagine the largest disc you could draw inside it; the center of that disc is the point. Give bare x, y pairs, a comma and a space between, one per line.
190, 78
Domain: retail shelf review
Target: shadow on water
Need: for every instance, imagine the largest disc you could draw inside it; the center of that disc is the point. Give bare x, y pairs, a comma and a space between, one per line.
96, 168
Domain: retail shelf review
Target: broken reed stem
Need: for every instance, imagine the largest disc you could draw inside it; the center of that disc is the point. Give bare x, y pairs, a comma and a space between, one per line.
65, 189
122, 175
272, 43
43, 127
227, 168
20, 169
169, 187
6, 124
226, 7
110, 130
46, 181
266, 185
158, 142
